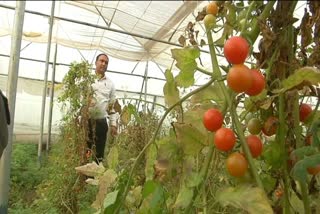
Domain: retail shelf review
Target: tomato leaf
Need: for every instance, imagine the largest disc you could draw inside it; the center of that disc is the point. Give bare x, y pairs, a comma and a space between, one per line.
246, 197
148, 188
186, 62
213, 92
184, 197
168, 149
299, 171
315, 131
110, 199
272, 154
193, 180
170, 90
125, 116
268, 182
302, 77
151, 157
300, 153
190, 138
108, 179
154, 197
113, 158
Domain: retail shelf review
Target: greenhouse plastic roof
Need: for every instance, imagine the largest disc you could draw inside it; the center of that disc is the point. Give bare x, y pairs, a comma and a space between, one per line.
128, 30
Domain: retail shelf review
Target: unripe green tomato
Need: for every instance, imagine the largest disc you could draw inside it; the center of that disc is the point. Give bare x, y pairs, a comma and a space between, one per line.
254, 126
209, 21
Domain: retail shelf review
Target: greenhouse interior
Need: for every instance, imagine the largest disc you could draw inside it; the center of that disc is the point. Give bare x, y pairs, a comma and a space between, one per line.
212, 107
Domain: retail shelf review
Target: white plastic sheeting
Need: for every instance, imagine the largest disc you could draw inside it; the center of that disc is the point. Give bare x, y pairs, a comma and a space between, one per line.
127, 27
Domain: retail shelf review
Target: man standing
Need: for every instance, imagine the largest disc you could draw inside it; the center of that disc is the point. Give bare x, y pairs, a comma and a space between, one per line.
101, 108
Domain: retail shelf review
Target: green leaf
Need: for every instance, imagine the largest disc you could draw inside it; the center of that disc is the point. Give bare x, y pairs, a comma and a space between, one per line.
113, 158
193, 180
168, 149
170, 90
272, 154
299, 171
185, 79
184, 197
268, 182
315, 131
108, 179
110, 199
190, 138
151, 156
301, 77
125, 116
186, 62
211, 93
246, 197
300, 153
148, 188
154, 198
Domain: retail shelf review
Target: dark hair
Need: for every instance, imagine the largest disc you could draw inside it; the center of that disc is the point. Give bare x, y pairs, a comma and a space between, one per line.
102, 54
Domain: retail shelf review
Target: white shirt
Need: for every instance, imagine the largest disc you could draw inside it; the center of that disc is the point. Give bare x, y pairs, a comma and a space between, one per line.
104, 93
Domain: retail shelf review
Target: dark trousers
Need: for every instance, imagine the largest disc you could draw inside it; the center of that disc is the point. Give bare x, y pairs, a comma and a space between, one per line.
98, 129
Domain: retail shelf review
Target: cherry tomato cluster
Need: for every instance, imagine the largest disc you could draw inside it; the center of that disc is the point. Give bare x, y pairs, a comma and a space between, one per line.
240, 78
225, 140
212, 10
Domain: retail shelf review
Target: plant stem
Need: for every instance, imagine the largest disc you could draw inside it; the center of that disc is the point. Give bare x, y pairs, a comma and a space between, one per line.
151, 141
204, 71
254, 33
216, 73
281, 141
251, 7
305, 197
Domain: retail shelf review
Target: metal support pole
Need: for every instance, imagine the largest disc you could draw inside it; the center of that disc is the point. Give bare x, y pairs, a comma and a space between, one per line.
44, 95
51, 98
146, 87
154, 102
11, 95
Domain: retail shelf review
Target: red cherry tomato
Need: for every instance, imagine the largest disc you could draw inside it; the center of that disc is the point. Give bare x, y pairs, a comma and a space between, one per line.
224, 139
212, 119
237, 164
258, 83
304, 111
255, 145
239, 78
236, 50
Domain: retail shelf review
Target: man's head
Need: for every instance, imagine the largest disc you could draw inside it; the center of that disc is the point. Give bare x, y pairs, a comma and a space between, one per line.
102, 61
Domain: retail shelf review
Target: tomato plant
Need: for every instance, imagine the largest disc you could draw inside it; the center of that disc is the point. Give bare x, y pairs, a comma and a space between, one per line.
224, 139
270, 126
304, 111
258, 83
212, 8
254, 126
237, 165
239, 78
212, 119
255, 145
236, 50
